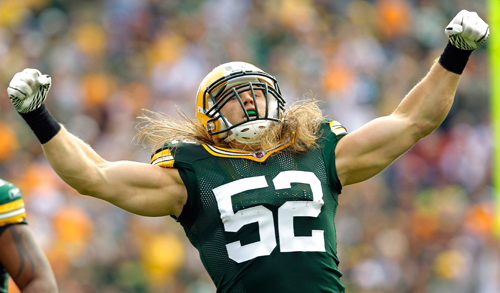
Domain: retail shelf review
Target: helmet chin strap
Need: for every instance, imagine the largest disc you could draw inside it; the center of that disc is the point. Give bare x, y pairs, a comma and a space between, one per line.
246, 132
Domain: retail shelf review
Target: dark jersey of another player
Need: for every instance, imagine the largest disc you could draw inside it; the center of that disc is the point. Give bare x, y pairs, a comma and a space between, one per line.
11, 212
262, 221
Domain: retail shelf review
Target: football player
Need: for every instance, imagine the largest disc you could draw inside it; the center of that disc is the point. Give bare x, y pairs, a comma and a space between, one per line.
20, 255
254, 184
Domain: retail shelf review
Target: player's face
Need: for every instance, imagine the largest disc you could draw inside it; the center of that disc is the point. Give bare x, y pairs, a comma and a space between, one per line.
233, 111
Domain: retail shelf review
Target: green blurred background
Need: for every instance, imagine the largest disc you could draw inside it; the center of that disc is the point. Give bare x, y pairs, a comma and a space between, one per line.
423, 225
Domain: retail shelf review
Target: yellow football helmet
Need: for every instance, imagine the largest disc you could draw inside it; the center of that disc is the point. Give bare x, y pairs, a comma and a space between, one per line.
228, 81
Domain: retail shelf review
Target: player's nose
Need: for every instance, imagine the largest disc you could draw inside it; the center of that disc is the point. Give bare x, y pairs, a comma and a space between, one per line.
247, 97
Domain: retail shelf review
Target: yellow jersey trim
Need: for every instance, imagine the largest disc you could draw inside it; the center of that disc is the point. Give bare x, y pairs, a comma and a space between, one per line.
258, 156
163, 159
14, 205
337, 128
12, 212
161, 154
13, 220
168, 164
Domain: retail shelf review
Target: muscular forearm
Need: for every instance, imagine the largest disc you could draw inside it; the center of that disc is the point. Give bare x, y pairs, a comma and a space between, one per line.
429, 102
74, 161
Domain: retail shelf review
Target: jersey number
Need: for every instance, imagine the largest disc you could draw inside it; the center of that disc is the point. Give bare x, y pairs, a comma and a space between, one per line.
264, 217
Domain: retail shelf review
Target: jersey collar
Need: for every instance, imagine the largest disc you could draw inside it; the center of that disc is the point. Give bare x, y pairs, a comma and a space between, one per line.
257, 156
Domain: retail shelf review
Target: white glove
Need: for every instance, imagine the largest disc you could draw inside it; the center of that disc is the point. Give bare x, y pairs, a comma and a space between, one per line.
467, 31
28, 90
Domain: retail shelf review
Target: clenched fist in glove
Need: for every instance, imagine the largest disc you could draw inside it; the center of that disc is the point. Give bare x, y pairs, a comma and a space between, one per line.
467, 31
28, 90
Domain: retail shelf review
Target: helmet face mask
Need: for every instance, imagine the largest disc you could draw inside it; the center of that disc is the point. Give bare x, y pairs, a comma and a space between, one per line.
226, 83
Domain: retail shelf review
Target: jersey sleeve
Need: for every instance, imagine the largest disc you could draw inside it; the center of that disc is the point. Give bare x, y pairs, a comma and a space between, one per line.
179, 156
163, 157
12, 209
333, 131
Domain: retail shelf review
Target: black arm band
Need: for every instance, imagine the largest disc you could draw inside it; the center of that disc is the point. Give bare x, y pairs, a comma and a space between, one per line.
454, 59
42, 123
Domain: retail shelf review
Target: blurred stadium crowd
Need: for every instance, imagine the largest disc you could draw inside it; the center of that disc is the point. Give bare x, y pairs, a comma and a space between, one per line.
423, 225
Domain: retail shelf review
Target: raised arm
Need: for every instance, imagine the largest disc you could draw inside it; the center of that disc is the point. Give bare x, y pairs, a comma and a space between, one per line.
136, 187
370, 149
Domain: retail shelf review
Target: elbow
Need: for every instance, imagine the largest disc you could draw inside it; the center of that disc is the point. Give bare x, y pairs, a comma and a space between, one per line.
421, 123
422, 130
427, 124
93, 186
421, 127
87, 188
87, 185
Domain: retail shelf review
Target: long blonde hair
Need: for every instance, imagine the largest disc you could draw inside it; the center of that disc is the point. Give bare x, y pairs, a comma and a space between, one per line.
301, 124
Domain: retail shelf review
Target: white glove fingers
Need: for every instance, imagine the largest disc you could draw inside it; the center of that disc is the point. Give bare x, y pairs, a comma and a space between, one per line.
32, 72
483, 31
28, 89
30, 76
459, 18
485, 35
16, 78
468, 24
44, 80
15, 92
21, 86
474, 27
453, 29
29, 80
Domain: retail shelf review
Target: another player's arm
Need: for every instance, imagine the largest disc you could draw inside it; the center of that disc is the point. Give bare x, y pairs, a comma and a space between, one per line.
139, 188
24, 260
370, 149
367, 151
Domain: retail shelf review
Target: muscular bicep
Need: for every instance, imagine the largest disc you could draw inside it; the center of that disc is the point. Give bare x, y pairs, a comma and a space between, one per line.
25, 261
136, 187
141, 188
370, 149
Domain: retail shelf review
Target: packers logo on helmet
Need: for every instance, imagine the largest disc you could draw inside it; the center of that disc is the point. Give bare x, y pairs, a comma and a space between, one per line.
226, 82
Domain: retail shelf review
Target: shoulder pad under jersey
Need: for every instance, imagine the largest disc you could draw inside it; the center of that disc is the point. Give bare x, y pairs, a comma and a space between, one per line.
332, 128
11, 204
172, 153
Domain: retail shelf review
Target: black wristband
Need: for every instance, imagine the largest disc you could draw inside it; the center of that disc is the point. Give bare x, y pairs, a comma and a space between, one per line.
42, 123
454, 59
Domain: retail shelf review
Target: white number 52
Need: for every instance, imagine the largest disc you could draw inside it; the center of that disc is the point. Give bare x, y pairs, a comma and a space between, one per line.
288, 241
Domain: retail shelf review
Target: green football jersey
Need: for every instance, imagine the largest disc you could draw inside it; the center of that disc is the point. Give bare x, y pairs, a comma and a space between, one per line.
262, 221
11, 212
